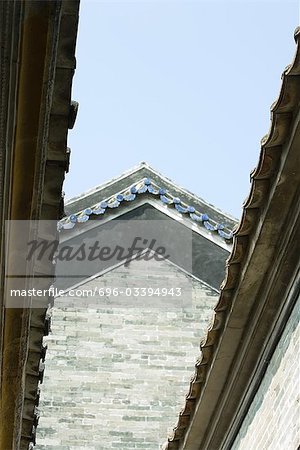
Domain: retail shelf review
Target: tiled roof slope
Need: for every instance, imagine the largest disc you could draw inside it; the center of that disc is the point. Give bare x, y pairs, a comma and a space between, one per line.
263, 182
141, 172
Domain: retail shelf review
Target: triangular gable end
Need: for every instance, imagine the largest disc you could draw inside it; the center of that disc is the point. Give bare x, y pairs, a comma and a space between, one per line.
145, 193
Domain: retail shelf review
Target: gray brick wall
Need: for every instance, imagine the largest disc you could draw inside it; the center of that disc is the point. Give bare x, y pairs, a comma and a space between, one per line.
117, 377
273, 419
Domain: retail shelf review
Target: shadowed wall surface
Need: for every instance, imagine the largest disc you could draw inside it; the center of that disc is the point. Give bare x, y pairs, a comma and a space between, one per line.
273, 418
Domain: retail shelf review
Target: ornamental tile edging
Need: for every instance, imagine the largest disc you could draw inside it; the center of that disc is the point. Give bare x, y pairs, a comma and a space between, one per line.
133, 192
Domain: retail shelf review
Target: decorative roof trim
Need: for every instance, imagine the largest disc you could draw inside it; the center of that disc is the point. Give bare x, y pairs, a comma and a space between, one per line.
130, 194
153, 174
283, 111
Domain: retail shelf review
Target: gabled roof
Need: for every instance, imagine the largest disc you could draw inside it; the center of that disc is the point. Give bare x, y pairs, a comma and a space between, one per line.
255, 292
143, 193
143, 181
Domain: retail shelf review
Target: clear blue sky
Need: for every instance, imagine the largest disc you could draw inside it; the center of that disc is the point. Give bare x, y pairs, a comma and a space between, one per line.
184, 85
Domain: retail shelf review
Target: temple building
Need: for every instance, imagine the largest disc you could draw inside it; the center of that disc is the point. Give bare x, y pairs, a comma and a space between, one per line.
190, 340
118, 363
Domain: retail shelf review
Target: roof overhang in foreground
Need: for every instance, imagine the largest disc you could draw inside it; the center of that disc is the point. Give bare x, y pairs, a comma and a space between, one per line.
37, 65
260, 288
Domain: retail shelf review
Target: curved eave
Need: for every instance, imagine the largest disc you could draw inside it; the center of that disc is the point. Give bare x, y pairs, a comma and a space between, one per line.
267, 176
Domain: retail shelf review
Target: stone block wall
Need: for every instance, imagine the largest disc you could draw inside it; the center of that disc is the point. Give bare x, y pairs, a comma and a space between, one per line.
117, 377
273, 419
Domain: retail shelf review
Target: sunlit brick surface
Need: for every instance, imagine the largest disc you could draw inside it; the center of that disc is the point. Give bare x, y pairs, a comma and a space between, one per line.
117, 377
